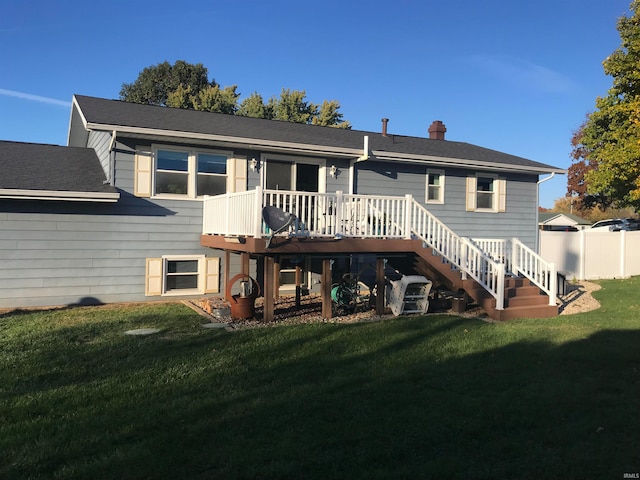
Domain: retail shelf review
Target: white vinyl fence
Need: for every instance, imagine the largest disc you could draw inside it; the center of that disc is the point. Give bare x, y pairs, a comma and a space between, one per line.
587, 255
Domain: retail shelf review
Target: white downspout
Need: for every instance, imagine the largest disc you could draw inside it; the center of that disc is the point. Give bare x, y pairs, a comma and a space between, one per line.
112, 160
553, 174
352, 164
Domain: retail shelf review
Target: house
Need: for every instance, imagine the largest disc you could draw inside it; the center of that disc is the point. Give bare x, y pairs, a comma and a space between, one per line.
566, 222
150, 202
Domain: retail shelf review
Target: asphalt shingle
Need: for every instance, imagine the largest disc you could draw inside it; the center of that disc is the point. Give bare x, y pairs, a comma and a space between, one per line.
33, 166
118, 113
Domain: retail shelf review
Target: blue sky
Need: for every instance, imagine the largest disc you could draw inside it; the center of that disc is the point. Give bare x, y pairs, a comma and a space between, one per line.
514, 76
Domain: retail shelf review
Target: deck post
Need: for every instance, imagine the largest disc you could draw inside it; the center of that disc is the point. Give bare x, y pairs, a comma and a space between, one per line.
268, 290
244, 263
553, 283
326, 288
257, 233
225, 272
500, 273
339, 229
407, 216
380, 286
276, 279
298, 285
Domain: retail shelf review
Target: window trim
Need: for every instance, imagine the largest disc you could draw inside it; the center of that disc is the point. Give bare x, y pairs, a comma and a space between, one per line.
192, 170
499, 193
493, 192
199, 290
430, 173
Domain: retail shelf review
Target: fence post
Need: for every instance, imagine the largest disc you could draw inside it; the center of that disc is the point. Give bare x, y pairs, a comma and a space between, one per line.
582, 259
623, 253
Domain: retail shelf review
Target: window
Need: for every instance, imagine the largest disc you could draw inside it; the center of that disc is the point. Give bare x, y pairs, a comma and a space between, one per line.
182, 275
190, 173
435, 186
172, 172
212, 174
486, 193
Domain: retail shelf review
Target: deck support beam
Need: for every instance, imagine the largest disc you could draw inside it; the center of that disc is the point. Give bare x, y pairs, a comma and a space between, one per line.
268, 290
380, 284
325, 283
298, 285
244, 262
226, 273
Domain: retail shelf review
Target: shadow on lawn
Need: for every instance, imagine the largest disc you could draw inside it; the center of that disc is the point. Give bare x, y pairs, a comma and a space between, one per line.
389, 400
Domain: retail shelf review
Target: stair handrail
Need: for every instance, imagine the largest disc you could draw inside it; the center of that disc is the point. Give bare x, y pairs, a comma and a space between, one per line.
526, 262
459, 251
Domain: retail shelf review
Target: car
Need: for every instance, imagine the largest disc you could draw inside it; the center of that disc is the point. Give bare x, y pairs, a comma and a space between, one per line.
617, 224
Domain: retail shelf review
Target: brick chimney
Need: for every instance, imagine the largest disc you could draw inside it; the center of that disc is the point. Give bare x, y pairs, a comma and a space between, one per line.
384, 126
437, 130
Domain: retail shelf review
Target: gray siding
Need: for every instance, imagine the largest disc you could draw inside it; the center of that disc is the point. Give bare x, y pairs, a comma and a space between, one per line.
100, 142
60, 253
519, 220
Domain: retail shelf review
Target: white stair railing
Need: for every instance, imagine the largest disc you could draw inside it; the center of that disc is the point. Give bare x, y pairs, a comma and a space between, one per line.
460, 252
529, 264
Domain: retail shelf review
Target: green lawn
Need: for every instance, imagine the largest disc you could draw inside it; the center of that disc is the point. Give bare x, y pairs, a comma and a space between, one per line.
421, 397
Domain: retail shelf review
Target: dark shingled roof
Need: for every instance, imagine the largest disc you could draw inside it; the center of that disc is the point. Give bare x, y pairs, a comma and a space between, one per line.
33, 166
113, 113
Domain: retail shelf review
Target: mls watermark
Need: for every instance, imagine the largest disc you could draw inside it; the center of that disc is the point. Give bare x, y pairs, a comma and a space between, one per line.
631, 475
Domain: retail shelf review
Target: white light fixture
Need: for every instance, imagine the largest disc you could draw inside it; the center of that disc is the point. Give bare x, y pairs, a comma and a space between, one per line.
333, 171
253, 164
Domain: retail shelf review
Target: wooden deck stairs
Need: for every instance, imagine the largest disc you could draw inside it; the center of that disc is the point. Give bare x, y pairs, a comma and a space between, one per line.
522, 298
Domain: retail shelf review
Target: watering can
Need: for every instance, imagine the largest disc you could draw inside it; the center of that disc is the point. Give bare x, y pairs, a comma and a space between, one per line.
243, 304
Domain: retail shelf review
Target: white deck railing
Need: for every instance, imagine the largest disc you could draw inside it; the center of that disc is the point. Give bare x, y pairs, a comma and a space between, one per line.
367, 216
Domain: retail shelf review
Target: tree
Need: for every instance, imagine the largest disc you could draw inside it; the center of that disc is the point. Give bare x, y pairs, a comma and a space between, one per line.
154, 84
328, 115
184, 85
216, 99
291, 106
577, 184
253, 106
610, 136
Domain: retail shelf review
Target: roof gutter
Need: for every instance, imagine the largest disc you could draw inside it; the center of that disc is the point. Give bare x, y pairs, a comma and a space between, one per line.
301, 148
253, 143
60, 195
458, 162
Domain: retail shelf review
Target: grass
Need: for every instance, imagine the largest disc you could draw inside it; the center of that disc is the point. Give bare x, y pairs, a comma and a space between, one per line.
421, 397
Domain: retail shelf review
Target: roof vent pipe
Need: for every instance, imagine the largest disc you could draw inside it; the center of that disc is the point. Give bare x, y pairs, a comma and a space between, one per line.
384, 126
437, 130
